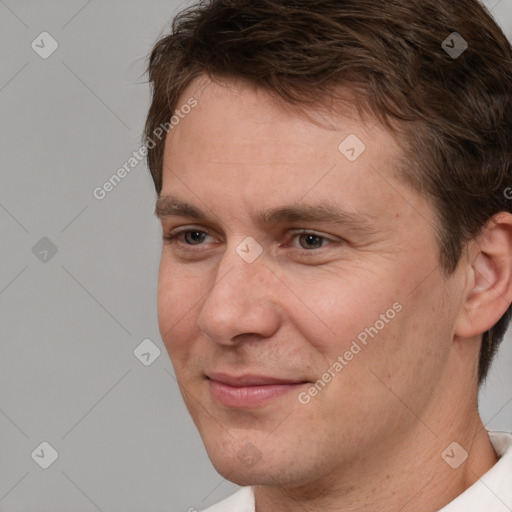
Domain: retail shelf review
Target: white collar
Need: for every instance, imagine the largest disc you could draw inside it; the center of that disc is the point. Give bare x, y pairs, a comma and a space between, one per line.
492, 492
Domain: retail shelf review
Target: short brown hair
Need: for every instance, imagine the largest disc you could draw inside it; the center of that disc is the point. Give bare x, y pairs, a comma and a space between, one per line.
455, 110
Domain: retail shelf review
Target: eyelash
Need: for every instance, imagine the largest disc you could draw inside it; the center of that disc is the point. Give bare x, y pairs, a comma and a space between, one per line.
172, 238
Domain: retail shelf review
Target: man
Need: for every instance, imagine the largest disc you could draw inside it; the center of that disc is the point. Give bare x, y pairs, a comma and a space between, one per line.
336, 271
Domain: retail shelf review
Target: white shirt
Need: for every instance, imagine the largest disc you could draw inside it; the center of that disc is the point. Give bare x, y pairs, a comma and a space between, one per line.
491, 493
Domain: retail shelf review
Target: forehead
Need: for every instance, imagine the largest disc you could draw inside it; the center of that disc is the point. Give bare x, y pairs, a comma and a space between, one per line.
242, 144
240, 113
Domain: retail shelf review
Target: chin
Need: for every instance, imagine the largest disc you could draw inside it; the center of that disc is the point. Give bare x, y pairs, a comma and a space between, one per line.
263, 474
245, 466
245, 477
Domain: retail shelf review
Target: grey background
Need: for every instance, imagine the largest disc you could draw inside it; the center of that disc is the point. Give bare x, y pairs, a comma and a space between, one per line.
70, 324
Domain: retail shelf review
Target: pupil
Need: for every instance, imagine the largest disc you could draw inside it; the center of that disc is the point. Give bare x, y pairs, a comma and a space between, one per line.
195, 236
312, 241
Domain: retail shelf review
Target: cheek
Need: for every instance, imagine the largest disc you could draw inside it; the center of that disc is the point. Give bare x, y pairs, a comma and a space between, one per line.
338, 310
409, 353
178, 294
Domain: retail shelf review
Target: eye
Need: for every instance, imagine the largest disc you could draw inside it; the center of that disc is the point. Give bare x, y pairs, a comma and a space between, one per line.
194, 237
309, 240
187, 237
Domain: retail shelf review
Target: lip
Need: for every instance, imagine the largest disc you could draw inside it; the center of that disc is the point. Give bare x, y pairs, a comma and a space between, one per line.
249, 390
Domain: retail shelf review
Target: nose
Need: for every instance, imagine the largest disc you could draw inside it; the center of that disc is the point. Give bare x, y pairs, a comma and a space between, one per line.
241, 303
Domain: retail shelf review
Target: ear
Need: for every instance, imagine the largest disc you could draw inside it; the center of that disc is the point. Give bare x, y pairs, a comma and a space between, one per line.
488, 292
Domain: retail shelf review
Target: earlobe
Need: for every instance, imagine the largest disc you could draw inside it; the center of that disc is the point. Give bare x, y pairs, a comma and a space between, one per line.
488, 292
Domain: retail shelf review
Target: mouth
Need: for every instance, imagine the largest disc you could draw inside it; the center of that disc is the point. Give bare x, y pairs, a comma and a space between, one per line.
249, 391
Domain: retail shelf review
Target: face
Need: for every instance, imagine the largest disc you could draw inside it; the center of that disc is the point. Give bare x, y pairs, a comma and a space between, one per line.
298, 286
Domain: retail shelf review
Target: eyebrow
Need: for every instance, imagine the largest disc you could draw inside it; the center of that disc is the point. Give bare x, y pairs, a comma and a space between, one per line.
168, 206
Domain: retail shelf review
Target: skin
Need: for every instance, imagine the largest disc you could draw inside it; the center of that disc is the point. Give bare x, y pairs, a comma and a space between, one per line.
372, 438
